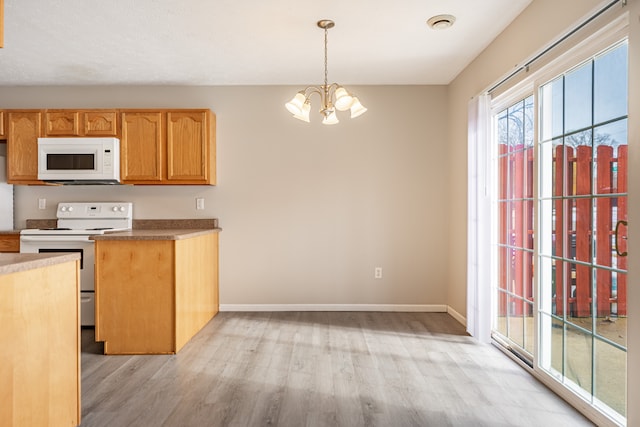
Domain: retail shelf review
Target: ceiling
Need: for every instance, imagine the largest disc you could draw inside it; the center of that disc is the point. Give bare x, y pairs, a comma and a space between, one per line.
250, 42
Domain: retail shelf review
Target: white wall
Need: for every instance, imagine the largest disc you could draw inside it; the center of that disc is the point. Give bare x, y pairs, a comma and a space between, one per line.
307, 210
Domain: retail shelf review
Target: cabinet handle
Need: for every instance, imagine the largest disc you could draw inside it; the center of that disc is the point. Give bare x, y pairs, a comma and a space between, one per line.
618, 224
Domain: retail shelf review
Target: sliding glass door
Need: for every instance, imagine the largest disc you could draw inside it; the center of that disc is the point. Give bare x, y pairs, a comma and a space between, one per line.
583, 225
561, 288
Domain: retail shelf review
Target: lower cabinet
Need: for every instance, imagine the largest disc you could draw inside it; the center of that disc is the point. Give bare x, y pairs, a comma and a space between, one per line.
9, 242
152, 296
40, 346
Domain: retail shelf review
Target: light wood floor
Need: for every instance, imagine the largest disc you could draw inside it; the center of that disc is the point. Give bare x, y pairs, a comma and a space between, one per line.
319, 369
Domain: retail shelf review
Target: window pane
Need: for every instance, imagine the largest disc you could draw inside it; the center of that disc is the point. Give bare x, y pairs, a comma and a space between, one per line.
528, 122
527, 288
579, 308
578, 163
607, 140
501, 318
578, 98
578, 234
528, 328
610, 375
610, 85
528, 223
561, 163
516, 127
551, 346
547, 298
527, 190
608, 324
577, 366
546, 174
516, 321
551, 109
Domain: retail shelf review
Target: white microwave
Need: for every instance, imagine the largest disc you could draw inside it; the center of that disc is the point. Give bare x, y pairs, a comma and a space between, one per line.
79, 160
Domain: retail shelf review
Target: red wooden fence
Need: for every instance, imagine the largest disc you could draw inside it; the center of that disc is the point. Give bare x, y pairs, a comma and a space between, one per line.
573, 281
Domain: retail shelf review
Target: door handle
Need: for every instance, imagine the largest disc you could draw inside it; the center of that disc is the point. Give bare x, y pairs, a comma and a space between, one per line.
618, 224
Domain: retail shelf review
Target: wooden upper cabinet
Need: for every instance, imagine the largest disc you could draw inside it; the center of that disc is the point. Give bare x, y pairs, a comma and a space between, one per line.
81, 123
142, 147
175, 147
100, 123
62, 123
172, 147
23, 130
188, 147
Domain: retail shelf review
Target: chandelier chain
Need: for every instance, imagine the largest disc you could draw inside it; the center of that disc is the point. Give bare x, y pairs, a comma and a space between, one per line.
326, 72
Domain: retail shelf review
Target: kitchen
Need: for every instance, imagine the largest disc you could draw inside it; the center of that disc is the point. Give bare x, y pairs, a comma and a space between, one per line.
309, 211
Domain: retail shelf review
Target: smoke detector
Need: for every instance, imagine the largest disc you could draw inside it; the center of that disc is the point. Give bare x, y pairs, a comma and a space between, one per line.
441, 22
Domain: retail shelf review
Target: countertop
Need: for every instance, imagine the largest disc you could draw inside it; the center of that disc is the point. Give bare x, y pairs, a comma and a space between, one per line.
14, 262
156, 234
9, 231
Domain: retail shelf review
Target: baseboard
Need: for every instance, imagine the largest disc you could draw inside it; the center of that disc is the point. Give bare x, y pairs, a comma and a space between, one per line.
459, 317
425, 308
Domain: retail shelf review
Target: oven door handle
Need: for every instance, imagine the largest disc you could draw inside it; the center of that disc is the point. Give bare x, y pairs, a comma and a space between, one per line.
83, 239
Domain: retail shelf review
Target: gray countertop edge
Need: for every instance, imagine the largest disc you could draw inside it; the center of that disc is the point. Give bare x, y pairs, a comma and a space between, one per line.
9, 231
15, 262
153, 234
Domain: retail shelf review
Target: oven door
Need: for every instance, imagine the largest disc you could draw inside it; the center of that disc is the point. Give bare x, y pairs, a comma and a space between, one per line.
65, 243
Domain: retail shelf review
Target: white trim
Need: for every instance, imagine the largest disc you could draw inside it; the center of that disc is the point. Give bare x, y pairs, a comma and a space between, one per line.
459, 317
418, 308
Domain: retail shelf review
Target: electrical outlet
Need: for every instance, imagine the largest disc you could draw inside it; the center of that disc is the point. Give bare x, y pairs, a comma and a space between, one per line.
42, 203
377, 273
199, 203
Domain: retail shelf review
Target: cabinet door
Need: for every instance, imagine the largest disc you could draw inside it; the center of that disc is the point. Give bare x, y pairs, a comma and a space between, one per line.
100, 123
23, 131
62, 123
142, 147
188, 147
9, 243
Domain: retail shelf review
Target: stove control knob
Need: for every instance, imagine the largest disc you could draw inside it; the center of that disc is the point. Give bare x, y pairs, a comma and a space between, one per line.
115, 209
70, 208
122, 209
63, 208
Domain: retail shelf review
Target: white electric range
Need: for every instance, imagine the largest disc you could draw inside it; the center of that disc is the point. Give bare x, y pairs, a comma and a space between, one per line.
76, 223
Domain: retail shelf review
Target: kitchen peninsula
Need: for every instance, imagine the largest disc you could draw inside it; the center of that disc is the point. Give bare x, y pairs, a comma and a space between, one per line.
155, 287
39, 339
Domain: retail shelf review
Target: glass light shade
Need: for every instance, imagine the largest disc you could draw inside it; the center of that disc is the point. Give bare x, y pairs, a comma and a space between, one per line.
343, 99
357, 109
295, 105
330, 119
304, 112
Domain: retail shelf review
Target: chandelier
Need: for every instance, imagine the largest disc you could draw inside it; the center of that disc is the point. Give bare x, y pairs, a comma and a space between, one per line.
332, 96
